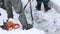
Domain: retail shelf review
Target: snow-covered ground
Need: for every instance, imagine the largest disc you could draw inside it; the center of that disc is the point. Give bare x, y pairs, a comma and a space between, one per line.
47, 21
3, 17
56, 2
19, 31
44, 22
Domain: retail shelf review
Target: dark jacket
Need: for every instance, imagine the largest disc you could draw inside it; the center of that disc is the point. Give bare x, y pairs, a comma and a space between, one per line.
44, 1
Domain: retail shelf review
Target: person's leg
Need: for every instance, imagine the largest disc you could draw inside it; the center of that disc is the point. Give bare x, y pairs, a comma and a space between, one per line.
3, 6
38, 6
9, 11
24, 22
22, 18
45, 2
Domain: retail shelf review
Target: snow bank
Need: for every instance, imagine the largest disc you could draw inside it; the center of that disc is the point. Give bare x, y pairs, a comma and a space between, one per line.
3, 16
55, 4
18, 31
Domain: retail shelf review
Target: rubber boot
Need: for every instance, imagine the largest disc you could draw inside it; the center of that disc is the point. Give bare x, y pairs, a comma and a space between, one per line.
46, 7
24, 22
10, 15
29, 26
38, 6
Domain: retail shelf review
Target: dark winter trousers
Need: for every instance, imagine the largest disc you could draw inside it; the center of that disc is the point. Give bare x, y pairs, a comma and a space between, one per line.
2, 4
45, 2
17, 4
